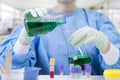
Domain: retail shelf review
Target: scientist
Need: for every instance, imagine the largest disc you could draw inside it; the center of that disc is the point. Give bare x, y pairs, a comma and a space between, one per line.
93, 32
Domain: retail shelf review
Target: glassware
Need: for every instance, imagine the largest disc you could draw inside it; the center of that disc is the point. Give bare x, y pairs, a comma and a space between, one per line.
42, 24
76, 57
14, 75
79, 60
76, 72
88, 70
27, 73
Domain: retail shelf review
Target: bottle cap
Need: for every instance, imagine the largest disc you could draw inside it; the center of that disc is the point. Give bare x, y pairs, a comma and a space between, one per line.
61, 67
52, 61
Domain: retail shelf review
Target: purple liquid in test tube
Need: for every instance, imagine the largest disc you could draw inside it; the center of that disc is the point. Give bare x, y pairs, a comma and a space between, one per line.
88, 70
79, 69
76, 71
73, 71
61, 69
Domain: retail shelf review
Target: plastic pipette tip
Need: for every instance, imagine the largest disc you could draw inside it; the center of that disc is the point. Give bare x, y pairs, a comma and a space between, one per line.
52, 61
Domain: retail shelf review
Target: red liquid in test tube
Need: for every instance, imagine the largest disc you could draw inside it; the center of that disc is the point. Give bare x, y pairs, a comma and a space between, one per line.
51, 74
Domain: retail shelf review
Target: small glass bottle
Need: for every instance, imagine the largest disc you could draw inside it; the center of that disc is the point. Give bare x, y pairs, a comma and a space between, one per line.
88, 70
73, 72
78, 72
51, 74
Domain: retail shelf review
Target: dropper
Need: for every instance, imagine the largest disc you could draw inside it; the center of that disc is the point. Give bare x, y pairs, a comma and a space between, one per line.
80, 51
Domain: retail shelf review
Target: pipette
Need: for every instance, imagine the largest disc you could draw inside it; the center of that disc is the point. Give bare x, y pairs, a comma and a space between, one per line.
80, 51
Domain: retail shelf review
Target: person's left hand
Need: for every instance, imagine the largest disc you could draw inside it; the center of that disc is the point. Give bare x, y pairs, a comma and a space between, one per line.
89, 35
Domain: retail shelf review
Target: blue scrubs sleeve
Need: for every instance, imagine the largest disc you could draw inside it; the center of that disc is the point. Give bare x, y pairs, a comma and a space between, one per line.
18, 61
106, 26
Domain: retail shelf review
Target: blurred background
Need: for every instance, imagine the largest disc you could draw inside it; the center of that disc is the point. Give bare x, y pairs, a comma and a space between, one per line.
11, 11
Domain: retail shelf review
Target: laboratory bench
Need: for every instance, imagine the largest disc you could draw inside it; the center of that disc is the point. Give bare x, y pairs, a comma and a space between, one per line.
68, 77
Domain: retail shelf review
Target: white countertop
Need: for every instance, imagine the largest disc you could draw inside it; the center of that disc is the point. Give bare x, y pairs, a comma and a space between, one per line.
67, 77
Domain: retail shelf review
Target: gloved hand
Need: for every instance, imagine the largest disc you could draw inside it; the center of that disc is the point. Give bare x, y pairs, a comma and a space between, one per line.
89, 35
33, 19
24, 38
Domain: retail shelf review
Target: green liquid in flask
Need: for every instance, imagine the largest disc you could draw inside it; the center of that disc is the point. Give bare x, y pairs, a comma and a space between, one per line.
36, 25
35, 28
80, 60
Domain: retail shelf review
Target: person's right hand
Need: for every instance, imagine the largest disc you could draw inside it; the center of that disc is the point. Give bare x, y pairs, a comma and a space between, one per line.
24, 38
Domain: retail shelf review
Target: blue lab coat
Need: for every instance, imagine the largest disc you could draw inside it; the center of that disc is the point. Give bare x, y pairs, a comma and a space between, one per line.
55, 44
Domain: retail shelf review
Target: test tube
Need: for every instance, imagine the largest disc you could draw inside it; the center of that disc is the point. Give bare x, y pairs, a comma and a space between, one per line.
52, 63
61, 69
51, 74
79, 71
76, 72
71, 64
73, 71
88, 70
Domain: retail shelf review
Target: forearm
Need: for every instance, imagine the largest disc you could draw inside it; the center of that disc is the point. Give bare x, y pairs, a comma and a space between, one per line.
21, 49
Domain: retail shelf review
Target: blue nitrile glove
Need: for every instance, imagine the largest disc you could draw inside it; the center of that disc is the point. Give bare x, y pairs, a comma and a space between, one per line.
89, 35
